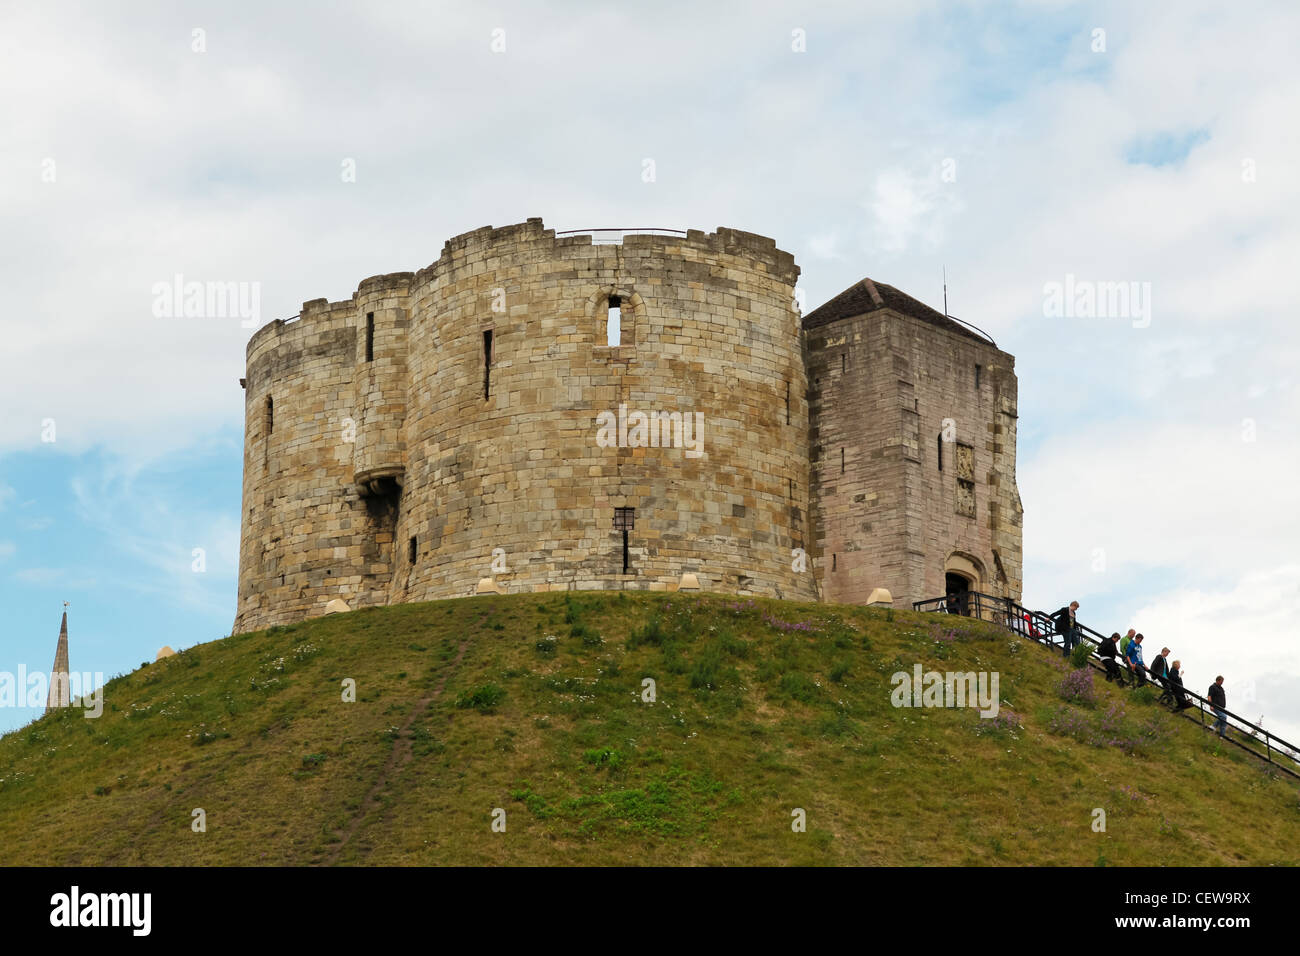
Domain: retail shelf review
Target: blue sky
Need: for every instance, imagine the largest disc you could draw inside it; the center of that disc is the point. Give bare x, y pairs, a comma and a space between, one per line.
1163, 159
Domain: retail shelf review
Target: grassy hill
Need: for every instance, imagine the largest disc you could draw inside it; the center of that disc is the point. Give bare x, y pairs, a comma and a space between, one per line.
534, 704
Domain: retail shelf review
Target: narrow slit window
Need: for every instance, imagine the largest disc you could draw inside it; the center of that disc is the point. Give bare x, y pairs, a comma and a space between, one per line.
841, 461
411, 550
979, 369
270, 414
939, 443
487, 364
370, 336
625, 521
844, 363
787, 403
834, 562
614, 323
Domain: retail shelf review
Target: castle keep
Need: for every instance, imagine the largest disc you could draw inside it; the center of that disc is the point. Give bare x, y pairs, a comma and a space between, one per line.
479, 419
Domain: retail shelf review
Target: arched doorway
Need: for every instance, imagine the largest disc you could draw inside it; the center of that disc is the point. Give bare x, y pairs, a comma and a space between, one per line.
962, 574
957, 587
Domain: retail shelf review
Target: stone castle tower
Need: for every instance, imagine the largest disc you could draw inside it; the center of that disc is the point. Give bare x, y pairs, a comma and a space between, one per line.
522, 407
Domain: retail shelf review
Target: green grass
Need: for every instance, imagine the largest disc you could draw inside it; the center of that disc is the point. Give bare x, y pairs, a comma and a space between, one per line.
537, 705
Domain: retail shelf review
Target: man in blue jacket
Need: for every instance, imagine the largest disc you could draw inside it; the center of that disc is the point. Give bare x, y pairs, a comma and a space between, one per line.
1134, 655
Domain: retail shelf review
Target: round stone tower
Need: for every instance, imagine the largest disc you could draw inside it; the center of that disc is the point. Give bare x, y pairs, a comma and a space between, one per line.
477, 419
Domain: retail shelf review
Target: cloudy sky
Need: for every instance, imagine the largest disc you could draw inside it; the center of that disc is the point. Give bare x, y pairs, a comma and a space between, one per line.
1015, 145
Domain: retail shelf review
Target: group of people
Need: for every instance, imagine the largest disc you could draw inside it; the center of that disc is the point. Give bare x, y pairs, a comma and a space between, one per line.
1128, 649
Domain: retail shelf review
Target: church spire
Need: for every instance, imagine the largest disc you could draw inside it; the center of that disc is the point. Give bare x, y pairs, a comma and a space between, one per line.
60, 686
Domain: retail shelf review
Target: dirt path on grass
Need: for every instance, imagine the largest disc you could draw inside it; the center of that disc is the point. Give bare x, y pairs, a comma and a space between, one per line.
397, 759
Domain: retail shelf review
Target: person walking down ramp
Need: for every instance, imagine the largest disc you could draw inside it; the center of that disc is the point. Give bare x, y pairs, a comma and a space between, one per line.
1134, 656
1176, 687
1159, 671
1108, 651
1067, 627
1219, 704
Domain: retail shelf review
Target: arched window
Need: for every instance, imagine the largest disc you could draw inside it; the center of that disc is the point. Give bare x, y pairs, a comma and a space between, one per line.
614, 315
614, 322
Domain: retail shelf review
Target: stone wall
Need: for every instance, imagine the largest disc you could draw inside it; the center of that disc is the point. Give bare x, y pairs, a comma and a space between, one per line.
306, 534
445, 426
457, 467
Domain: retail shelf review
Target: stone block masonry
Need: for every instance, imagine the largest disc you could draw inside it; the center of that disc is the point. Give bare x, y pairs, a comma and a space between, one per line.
913, 451
445, 426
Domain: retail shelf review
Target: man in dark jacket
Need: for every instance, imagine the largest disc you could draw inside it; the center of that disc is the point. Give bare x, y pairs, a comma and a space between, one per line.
1219, 704
1108, 650
1176, 687
1066, 627
1159, 671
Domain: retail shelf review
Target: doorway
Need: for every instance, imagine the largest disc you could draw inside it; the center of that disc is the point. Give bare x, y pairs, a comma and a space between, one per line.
957, 588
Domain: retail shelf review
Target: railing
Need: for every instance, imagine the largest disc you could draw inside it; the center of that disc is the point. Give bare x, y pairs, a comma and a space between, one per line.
971, 325
1038, 627
613, 235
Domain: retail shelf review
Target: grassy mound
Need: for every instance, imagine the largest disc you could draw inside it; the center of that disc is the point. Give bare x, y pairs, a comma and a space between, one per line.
535, 712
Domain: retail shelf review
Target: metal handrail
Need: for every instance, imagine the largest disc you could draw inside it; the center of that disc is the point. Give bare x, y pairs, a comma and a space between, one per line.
971, 325
623, 232
1039, 627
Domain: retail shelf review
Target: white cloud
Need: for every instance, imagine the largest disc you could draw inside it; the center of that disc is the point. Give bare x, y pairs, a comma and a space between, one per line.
908, 208
1191, 497
824, 246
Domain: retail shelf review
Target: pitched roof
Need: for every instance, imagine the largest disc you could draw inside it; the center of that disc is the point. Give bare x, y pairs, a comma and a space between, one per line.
867, 296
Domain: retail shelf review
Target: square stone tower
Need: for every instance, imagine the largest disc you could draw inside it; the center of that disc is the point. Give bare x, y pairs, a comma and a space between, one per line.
913, 449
